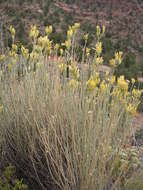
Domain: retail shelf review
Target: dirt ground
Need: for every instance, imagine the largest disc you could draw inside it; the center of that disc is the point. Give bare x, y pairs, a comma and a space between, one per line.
138, 121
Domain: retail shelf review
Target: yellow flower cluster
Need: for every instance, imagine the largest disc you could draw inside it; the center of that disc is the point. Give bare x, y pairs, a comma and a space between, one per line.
93, 82
34, 56
70, 34
43, 49
99, 60
98, 48
61, 51
122, 83
12, 31
133, 81
12, 54
117, 59
75, 27
48, 30
34, 32
113, 79
67, 44
14, 48
86, 37
43, 41
25, 52
43, 45
104, 86
131, 109
56, 47
98, 31
136, 93
73, 30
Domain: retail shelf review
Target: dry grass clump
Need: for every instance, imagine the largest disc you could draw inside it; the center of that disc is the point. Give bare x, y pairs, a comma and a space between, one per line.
62, 128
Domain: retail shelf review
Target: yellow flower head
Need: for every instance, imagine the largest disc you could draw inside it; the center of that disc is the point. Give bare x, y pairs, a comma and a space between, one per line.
37, 49
98, 30
98, 48
91, 84
75, 27
131, 109
103, 29
25, 52
14, 47
118, 57
103, 86
12, 30
133, 81
70, 33
48, 30
56, 47
12, 54
112, 63
61, 51
43, 41
136, 93
122, 83
34, 56
34, 32
68, 44
107, 74
99, 60
86, 37
113, 79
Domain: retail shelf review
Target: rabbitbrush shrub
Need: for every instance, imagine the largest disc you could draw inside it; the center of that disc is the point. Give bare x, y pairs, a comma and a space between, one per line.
63, 123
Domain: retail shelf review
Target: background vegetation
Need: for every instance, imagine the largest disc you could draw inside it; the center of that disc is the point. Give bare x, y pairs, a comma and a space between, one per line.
124, 28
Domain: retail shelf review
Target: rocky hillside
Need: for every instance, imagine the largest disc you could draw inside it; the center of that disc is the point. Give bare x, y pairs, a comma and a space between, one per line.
123, 19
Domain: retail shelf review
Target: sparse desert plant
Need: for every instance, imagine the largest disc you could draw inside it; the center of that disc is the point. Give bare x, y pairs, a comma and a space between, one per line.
63, 124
